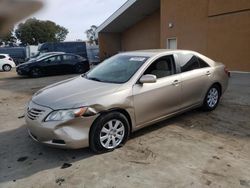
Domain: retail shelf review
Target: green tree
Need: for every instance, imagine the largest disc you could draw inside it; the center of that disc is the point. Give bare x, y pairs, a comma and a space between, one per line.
9, 37
34, 32
92, 35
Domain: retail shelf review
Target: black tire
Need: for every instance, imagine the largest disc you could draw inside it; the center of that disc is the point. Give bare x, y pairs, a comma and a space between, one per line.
81, 68
96, 144
213, 103
35, 72
7, 68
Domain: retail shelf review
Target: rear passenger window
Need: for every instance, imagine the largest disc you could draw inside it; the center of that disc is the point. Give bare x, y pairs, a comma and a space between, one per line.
189, 62
2, 56
163, 67
69, 57
203, 64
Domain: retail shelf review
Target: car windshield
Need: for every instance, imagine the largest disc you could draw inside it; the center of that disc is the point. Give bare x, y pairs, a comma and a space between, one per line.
117, 69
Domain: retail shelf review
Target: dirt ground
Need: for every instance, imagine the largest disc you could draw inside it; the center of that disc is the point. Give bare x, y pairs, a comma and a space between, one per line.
195, 149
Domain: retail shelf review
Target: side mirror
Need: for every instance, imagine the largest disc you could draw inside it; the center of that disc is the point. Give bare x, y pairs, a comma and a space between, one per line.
148, 78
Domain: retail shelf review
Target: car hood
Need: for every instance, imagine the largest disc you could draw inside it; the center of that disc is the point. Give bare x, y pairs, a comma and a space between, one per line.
72, 93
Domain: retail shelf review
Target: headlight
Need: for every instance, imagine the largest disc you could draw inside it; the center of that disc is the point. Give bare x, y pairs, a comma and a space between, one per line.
65, 115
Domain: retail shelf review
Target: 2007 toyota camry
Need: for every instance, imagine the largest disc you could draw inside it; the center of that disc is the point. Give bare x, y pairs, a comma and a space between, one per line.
123, 94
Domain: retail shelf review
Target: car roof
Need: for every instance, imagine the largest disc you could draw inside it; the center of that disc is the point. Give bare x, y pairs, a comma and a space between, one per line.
5, 54
153, 52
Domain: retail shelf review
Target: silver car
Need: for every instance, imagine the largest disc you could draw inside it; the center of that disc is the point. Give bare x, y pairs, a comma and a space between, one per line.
126, 92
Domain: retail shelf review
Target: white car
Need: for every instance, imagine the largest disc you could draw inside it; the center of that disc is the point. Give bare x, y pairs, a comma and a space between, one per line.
6, 63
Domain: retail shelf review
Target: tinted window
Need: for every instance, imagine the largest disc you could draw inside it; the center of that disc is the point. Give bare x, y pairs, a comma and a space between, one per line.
52, 59
69, 57
203, 64
2, 56
162, 67
189, 62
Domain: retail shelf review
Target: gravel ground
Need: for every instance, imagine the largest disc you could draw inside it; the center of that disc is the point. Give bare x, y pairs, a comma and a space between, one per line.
195, 149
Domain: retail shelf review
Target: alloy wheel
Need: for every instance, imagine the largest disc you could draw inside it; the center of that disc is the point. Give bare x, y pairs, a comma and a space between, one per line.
212, 97
79, 69
7, 68
35, 72
112, 134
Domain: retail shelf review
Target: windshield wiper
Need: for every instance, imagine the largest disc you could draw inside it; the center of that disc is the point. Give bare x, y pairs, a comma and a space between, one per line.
95, 79
99, 80
92, 78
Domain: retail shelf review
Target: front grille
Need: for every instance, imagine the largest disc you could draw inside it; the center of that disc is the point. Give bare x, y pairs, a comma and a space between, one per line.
34, 114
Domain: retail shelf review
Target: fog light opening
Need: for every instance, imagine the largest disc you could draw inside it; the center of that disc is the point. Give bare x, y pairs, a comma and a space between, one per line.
62, 142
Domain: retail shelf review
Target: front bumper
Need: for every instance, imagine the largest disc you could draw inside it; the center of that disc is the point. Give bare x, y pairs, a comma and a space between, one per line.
22, 71
72, 134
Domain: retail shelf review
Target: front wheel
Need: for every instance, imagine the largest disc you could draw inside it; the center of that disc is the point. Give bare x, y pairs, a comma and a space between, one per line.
35, 72
212, 98
109, 132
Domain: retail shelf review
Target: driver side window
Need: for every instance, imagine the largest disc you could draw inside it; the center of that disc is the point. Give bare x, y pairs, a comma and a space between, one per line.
162, 67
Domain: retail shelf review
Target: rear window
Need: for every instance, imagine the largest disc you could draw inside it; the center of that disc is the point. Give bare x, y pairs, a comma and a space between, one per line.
190, 62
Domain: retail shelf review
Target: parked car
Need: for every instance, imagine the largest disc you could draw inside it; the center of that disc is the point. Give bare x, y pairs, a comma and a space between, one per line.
6, 63
54, 64
78, 48
18, 54
125, 93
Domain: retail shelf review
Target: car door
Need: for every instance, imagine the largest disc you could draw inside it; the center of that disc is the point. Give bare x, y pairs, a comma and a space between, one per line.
68, 62
195, 79
51, 65
156, 100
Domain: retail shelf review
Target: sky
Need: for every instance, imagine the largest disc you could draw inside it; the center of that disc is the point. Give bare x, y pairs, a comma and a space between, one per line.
77, 15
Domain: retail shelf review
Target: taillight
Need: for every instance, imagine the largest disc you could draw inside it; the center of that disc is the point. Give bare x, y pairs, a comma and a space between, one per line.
227, 72
10, 59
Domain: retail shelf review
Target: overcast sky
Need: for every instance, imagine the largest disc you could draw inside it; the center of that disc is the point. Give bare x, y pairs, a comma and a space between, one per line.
78, 15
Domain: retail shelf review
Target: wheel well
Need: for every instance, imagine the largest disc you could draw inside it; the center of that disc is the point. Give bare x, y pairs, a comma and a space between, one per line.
219, 85
6, 64
122, 111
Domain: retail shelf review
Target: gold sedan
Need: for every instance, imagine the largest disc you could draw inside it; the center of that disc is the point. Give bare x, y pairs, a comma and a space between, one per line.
125, 93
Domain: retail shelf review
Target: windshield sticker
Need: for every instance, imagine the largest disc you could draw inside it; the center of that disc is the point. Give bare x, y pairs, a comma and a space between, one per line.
137, 59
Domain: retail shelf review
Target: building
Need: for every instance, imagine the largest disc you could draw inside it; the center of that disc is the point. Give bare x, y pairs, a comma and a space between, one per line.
219, 29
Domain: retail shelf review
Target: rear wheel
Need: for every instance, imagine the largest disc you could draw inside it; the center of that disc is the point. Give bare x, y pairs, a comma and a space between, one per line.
81, 68
7, 68
212, 98
109, 132
35, 72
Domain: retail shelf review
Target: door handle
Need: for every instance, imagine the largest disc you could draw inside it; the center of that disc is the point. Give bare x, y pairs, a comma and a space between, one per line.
176, 82
208, 73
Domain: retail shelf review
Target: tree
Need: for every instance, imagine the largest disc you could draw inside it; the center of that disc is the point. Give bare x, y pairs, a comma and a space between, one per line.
8, 38
92, 35
34, 32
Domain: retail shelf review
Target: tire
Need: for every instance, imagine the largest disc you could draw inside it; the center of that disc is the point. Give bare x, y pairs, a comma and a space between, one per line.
212, 98
109, 132
35, 72
7, 68
81, 68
